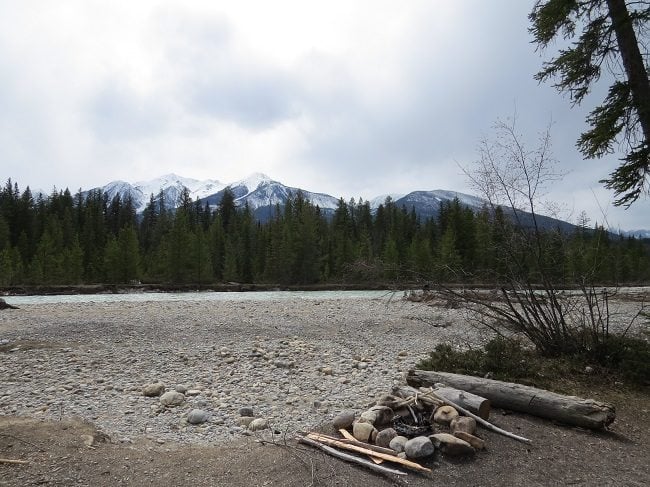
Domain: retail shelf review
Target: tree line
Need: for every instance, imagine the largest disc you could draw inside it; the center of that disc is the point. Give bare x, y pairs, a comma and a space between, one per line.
91, 238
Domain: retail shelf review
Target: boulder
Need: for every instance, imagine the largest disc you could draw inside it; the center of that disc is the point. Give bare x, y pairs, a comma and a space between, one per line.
377, 415
450, 445
444, 414
463, 423
398, 443
384, 437
476, 442
344, 419
419, 447
363, 431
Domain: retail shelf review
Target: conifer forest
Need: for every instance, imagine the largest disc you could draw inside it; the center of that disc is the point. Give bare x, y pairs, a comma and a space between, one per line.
66, 239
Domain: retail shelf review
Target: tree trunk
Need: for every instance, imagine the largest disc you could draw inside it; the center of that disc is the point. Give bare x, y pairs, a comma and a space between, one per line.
635, 70
571, 410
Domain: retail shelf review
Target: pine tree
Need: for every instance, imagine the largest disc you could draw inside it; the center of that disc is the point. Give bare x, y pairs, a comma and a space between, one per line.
610, 35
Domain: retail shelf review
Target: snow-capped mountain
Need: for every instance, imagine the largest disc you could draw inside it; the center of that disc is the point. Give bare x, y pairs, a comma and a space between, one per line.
641, 233
170, 185
259, 191
381, 199
263, 194
427, 203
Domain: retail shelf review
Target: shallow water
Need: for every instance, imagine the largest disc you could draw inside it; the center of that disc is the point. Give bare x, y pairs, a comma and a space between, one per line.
195, 296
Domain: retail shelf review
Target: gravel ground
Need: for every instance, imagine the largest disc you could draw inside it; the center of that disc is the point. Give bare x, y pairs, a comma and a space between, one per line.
296, 362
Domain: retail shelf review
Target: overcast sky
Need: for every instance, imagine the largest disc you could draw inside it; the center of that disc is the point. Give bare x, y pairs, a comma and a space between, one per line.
351, 98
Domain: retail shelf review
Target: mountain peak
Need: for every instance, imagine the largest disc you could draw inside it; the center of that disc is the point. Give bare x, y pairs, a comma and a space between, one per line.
253, 181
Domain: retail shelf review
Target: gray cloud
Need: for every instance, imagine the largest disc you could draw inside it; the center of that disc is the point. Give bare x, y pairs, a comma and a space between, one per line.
190, 93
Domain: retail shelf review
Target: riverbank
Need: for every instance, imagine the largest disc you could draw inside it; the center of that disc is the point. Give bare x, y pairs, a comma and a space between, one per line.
72, 375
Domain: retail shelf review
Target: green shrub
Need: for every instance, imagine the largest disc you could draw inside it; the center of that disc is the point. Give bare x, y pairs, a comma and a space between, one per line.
617, 358
502, 358
630, 357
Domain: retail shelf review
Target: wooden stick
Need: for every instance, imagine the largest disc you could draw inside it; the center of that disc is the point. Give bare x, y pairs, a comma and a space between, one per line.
366, 451
18, 462
348, 436
353, 441
481, 421
350, 458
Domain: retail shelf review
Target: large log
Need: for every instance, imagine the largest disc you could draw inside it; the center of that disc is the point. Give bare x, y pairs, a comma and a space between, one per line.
571, 410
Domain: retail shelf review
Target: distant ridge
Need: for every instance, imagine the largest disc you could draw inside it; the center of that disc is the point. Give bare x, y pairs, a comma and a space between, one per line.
263, 194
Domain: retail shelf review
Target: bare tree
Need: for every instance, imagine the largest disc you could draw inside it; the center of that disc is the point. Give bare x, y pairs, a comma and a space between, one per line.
531, 299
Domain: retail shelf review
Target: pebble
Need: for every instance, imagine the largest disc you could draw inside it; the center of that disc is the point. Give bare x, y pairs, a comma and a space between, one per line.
153, 390
197, 416
258, 424
172, 398
246, 411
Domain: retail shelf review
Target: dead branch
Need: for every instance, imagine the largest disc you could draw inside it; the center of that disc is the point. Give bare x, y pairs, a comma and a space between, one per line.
349, 458
366, 451
348, 436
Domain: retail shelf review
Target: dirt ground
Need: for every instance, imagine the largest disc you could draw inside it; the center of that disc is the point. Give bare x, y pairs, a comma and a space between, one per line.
58, 454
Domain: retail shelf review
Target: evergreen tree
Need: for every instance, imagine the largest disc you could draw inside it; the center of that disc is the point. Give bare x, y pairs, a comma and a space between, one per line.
611, 37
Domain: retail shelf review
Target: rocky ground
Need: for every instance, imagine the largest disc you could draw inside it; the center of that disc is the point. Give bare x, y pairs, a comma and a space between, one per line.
295, 362
292, 363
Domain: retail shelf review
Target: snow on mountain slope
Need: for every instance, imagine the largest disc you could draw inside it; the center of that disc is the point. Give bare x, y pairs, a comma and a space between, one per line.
381, 199
641, 233
260, 191
172, 186
263, 194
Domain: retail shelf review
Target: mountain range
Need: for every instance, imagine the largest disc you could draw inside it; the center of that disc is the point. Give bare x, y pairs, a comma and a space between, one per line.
262, 194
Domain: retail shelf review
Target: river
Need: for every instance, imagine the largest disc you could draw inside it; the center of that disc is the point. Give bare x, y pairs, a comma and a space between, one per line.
194, 296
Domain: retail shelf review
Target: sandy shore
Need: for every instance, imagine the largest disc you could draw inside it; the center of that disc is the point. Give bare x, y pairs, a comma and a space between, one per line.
295, 362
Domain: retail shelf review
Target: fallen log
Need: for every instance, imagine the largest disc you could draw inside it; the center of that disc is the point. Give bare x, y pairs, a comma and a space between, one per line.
350, 458
366, 451
571, 410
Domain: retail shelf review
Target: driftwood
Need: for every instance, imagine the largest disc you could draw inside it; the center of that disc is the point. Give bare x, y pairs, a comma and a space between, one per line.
476, 404
429, 394
570, 410
349, 458
5, 305
348, 436
346, 446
